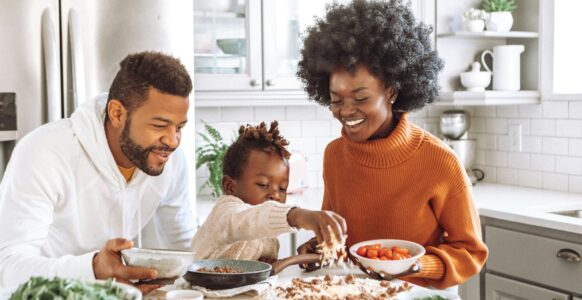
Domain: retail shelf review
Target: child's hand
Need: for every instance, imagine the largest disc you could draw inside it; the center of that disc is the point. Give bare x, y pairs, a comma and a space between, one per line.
326, 225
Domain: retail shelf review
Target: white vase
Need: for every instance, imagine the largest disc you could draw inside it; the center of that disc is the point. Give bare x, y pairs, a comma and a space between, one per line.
499, 21
475, 25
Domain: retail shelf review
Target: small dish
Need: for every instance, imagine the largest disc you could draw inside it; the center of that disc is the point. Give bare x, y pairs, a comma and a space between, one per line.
168, 263
391, 267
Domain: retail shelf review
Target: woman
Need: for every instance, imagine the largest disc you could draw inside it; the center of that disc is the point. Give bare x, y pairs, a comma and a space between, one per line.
371, 64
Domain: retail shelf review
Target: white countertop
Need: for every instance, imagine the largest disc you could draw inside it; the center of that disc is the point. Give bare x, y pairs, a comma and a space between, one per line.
511, 203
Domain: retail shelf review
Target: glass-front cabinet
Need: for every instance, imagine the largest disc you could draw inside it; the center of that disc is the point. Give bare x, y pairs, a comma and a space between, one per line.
249, 46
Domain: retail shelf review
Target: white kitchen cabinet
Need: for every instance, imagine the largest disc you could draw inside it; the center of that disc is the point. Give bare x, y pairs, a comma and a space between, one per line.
528, 262
263, 71
459, 48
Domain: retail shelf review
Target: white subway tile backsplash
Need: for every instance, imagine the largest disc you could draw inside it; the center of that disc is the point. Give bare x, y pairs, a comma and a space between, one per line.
575, 110
316, 128
485, 111
290, 129
322, 142
569, 165
530, 111
207, 114
507, 176
543, 127
315, 162
419, 114
503, 143
486, 141
436, 111
496, 158
477, 125
569, 128
553, 145
228, 130
305, 145
323, 113
575, 184
530, 178
556, 182
531, 144
480, 157
507, 111
525, 125
498, 126
555, 109
269, 113
575, 147
315, 179
518, 160
336, 128
237, 114
542, 162
490, 173
301, 112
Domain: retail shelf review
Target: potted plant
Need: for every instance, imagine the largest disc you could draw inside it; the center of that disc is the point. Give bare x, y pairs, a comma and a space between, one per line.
211, 154
500, 18
474, 19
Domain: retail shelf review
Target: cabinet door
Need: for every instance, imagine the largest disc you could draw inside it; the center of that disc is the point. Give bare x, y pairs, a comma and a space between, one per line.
283, 22
500, 288
227, 45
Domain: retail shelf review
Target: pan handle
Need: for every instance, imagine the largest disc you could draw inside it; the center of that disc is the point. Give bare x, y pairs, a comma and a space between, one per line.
280, 265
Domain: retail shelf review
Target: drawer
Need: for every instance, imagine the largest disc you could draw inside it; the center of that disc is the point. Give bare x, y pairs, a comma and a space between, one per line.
533, 258
500, 288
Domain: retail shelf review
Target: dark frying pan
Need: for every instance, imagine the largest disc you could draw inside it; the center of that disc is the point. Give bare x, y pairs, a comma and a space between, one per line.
251, 271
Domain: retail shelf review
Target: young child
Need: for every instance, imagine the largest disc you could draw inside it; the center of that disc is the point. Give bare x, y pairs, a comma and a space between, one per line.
245, 222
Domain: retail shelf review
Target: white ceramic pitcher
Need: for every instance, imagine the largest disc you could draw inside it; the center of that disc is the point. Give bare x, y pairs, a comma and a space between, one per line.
506, 66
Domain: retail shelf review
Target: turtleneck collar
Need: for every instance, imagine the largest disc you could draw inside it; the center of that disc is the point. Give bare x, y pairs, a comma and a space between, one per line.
394, 149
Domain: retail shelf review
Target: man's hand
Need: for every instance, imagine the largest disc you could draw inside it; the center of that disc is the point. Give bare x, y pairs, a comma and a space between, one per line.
325, 224
415, 268
107, 264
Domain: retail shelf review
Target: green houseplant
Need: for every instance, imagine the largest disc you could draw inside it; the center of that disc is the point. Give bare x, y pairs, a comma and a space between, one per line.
500, 18
211, 154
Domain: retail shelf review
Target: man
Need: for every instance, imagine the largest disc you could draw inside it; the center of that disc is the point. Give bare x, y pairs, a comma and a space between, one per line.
95, 180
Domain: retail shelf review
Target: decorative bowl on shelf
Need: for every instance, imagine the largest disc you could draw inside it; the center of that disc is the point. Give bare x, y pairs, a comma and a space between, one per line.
232, 46
475, 80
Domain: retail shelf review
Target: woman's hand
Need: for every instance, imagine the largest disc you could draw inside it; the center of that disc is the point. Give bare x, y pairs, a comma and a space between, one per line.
328, 226
308, 248
415, 268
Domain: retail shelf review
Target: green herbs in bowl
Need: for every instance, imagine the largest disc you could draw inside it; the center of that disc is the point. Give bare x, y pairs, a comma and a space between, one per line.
60, 288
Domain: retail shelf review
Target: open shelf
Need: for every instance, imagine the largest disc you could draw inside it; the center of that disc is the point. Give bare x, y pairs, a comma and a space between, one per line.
217, 14
490, 34
8, 135
488, 98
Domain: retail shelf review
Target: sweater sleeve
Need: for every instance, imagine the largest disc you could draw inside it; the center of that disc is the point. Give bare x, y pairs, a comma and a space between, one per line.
29, 193
231, 220
463, 252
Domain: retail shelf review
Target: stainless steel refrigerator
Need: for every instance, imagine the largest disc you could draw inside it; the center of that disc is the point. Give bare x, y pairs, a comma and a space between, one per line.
56, 54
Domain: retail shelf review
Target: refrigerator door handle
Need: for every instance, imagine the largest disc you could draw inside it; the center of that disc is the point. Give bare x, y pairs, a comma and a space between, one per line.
52, 68
77, 67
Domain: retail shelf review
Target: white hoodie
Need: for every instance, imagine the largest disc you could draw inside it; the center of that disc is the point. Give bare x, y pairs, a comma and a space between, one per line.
62, 197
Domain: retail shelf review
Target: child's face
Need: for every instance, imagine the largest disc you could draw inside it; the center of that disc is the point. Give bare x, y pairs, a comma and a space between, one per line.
265, 177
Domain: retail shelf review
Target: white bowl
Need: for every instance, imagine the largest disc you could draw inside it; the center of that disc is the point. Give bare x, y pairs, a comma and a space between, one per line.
422, 294
184, 295
475, 81
391, 267
168, 263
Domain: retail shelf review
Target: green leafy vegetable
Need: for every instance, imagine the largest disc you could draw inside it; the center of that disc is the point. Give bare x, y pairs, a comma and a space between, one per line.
67, 289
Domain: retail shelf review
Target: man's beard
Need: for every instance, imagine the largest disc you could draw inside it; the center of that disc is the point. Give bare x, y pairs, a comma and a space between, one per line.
137, 154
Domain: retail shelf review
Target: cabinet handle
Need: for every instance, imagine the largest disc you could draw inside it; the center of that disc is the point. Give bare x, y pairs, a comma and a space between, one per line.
569, 255
271, 82
254, 82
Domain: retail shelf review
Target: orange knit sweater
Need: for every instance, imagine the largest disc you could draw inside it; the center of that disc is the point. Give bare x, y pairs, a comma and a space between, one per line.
409, 186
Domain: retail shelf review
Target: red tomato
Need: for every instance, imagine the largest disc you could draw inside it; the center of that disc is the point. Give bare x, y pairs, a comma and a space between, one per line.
383, 258
372, 253
362, 251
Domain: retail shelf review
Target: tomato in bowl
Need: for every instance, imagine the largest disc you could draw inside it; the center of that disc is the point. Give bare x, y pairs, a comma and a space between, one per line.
389, 256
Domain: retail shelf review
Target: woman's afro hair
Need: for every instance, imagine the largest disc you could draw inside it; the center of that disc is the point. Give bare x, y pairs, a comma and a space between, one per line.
381, 35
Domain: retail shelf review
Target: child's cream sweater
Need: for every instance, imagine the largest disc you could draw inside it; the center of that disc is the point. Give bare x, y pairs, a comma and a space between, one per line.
237, 230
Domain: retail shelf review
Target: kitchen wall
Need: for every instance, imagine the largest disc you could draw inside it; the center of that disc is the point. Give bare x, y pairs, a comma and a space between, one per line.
309, 129
551, 156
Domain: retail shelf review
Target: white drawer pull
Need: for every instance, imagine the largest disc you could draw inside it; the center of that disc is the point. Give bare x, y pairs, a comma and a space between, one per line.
569, 255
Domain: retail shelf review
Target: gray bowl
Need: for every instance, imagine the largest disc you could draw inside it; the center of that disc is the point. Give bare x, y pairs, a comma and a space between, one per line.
233, 46
251, 273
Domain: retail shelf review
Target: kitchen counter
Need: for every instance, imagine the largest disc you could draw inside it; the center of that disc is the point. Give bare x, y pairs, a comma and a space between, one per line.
511, 203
